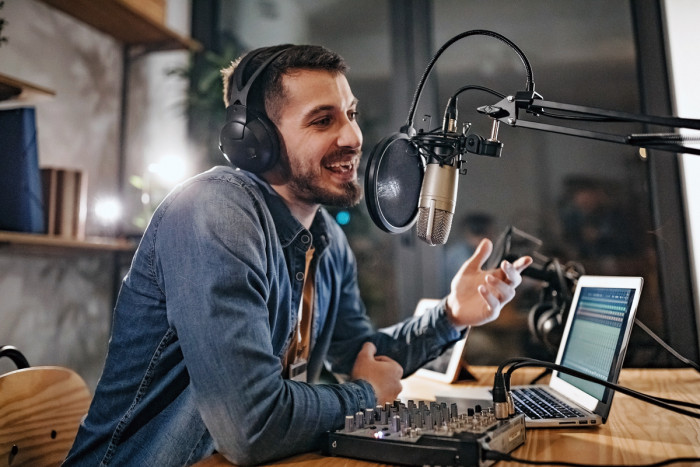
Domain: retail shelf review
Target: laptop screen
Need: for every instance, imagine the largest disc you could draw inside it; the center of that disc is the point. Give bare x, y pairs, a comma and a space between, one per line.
596, 336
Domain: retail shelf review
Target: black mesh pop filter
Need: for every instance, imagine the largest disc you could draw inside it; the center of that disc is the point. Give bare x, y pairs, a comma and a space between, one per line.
393, 183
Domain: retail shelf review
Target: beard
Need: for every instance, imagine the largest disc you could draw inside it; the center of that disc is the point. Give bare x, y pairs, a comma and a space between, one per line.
306, 183
306, 188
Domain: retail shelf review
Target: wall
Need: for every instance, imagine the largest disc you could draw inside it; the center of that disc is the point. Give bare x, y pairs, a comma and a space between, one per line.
684, 65
55, 306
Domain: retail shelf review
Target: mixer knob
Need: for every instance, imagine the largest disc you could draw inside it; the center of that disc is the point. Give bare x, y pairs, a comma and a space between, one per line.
349, 423
359, 420
395, 425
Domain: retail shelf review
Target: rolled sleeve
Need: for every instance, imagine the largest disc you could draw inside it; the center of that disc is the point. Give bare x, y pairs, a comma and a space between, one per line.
419, 339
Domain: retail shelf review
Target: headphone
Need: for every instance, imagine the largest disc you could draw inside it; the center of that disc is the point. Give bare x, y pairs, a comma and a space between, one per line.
546, 323
547, 318
249, 139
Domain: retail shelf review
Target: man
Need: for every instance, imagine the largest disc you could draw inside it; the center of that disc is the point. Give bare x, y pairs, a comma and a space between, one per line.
208, 343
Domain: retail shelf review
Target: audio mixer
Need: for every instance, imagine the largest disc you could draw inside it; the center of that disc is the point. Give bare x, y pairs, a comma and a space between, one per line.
426, 433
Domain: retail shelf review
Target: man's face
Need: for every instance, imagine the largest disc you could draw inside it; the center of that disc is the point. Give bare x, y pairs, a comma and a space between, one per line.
321, 140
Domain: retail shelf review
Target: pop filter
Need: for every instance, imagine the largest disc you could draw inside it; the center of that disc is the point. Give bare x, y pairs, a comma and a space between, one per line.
396, 168
393, 183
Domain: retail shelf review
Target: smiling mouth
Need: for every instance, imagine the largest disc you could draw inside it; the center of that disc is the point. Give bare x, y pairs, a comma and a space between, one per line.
342, 167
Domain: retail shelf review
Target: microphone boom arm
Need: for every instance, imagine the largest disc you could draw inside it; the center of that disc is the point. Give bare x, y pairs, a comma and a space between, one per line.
507, 111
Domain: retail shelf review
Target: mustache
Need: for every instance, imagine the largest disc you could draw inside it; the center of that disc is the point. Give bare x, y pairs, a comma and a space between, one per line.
341, 155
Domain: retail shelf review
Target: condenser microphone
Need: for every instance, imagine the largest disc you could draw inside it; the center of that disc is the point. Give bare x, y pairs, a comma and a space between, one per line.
438, 195
411, 176
436, 205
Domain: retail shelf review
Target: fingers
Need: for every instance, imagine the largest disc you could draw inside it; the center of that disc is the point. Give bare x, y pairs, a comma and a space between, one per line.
481, 254
492, 303
383, 358
512, 271
522, 263
368, 350
499, 287
501, 290
512, 275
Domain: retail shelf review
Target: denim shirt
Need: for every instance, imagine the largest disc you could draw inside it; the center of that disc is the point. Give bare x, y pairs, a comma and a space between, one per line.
204, 319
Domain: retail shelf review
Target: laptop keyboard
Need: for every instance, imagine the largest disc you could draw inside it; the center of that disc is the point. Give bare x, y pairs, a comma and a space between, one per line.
537, 403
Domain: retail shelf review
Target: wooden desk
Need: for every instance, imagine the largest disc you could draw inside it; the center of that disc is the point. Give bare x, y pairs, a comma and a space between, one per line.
635, 433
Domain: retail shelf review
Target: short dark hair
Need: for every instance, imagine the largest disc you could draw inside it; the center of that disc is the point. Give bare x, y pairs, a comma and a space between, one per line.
267, 93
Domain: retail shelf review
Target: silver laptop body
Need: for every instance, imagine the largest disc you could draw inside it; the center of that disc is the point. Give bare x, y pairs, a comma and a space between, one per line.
594, 342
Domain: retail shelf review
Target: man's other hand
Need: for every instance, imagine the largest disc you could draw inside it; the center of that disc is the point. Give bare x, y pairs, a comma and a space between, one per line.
383, 373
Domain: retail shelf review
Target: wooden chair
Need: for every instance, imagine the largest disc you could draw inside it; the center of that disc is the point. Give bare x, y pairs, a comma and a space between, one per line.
40, 410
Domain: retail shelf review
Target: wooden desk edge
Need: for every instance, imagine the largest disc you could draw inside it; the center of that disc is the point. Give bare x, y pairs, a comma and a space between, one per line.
675, 383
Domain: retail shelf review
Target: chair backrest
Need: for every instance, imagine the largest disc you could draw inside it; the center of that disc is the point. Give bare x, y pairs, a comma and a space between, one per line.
40, 410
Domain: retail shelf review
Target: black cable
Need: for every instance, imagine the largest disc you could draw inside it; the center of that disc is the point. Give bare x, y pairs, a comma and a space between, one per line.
470, 87
544, 373
667, 347
442, 139
502, 456
667, 404
659, 401
503, 382
616, 387
651, 334
530, 85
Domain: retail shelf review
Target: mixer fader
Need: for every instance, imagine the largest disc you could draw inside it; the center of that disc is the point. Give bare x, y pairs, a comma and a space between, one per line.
425, 433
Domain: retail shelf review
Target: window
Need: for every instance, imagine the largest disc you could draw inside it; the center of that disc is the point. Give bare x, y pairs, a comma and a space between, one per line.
589, 202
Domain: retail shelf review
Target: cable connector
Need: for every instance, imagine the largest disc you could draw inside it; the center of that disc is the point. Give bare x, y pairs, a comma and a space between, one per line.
511, 404
500, 397
509, 395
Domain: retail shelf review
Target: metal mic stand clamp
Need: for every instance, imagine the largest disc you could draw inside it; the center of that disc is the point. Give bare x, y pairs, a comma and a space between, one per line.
508, 109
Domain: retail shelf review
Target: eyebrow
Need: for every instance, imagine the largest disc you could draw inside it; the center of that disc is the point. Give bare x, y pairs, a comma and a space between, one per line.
324, 108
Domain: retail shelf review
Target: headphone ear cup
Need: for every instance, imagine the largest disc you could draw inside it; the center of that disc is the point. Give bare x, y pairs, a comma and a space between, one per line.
533, 318
545, 323
249, 140
548, 322
550, 328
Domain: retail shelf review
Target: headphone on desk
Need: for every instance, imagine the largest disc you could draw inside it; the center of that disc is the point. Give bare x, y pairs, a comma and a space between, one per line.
547, 319
546, 323
249, 139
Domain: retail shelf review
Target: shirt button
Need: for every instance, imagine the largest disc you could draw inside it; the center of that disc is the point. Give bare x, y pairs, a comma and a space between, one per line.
305, 239
300, 276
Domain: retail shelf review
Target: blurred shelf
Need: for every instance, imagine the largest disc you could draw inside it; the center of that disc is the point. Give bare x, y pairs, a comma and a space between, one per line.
126, 22
42, 241
15, 92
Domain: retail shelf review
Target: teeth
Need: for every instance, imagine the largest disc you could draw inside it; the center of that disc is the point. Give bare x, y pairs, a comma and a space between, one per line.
341, 165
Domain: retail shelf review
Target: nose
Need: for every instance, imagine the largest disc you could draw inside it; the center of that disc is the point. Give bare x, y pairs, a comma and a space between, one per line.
350, 135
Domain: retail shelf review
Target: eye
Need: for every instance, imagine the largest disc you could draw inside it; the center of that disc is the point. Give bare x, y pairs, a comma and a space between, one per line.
353, 114
323, 121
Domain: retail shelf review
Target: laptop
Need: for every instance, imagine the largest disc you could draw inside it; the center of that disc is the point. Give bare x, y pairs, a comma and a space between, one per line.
595, 341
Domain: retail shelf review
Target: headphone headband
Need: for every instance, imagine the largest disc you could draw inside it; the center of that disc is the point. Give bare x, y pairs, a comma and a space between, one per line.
249, 139
240, 92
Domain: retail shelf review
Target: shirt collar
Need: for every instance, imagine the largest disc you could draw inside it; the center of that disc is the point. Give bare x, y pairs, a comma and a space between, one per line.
288, 227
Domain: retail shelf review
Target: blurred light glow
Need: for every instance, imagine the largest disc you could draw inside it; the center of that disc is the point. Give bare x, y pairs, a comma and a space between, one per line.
343, 217
108, 210
170, 170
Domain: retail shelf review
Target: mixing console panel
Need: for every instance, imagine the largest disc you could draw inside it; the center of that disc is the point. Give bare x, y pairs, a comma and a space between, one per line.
426, 433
